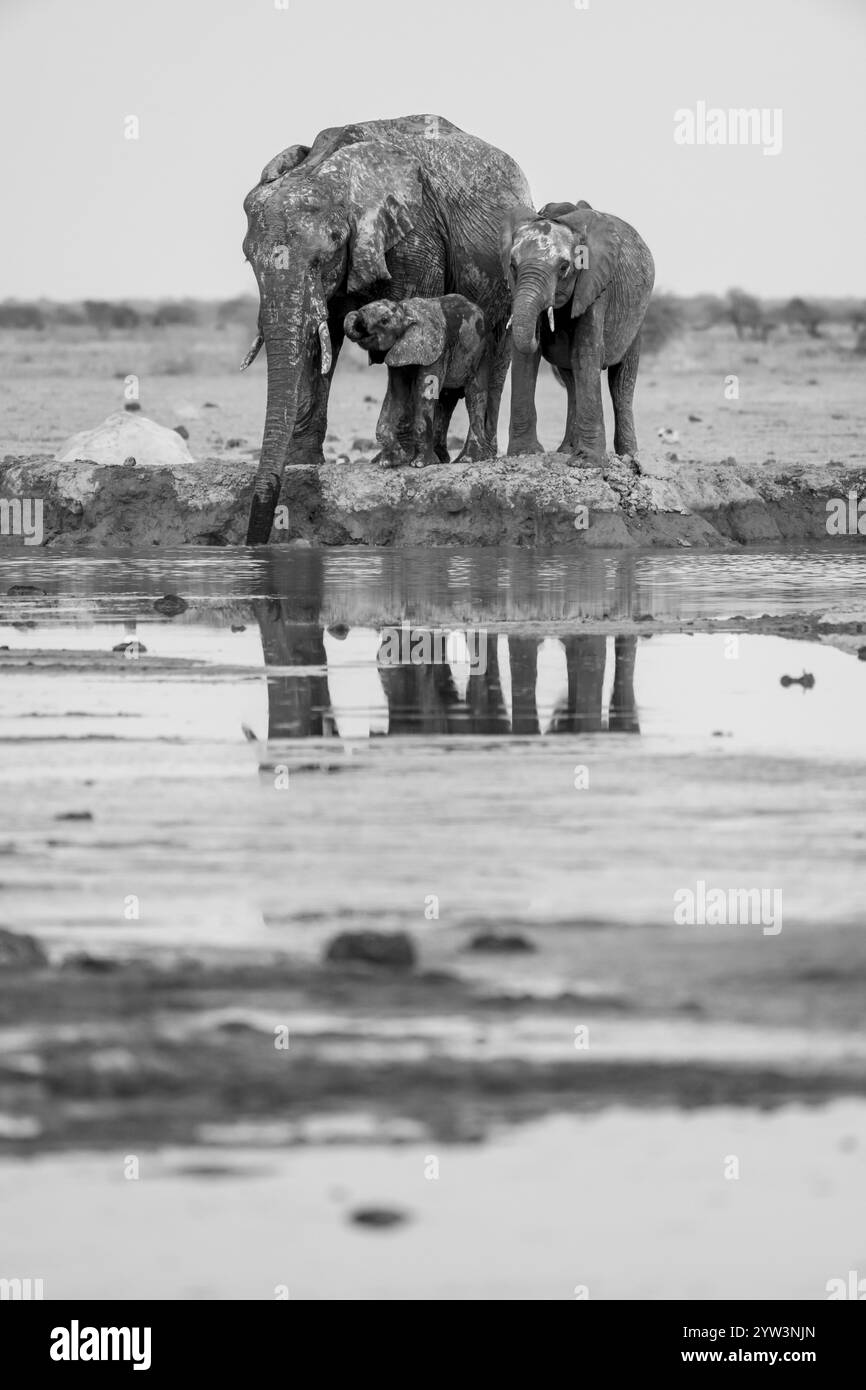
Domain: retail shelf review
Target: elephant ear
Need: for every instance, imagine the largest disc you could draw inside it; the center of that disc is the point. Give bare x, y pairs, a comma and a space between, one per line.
514, 218
382, 191
557, 211
554, 211
283, 162
423, 342
597, 248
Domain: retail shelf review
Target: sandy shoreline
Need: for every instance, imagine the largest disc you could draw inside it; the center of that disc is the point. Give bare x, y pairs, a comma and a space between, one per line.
623, 1205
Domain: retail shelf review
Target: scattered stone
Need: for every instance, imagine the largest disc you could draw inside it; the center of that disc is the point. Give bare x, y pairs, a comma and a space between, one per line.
369, 400
133, 647
235, 443
500, 943
182, 431
24, 591
130, 462
392, 950
74, 815
97, 965
343, 458
20, 952
210, 405
807, 680
170, 605
361, 443
695, 419
239, 627
378, 1218
132, 406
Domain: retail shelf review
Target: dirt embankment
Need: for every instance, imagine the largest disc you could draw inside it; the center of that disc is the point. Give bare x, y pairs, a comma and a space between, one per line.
511, 501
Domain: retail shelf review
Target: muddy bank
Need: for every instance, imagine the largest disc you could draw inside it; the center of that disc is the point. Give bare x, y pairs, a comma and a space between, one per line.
101, 1051
527, 501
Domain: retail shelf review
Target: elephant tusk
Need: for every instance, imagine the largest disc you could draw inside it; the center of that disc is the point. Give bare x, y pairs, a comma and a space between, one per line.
510, 322
253, 352
325, 345
550, 319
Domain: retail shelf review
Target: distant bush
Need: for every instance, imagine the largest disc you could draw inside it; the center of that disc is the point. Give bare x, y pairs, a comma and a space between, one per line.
243, 309
68, 315
175, 311
664, 321
747, 315
705, 311
801, 313
105, 313
20, 315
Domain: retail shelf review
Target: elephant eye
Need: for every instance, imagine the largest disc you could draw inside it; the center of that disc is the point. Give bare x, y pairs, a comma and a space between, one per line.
564, 268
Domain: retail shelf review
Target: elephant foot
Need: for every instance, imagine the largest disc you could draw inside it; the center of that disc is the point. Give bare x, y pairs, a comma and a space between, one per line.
427, 459
582, 458
309, 456
442, 453
517, 447
474, 451
390, 458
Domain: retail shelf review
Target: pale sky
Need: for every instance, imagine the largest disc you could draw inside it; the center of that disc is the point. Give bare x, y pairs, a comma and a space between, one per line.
584, 99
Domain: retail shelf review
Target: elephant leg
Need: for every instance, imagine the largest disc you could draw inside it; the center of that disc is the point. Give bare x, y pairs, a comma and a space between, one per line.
447, 404
623, 716
307, 444
621, 380
586, 358
477, 445
499, 360
394, 423
425, 404
523, 429
523, 661
569, 441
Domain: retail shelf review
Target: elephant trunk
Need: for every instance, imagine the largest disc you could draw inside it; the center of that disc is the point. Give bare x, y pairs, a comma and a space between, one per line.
285, 318
534, 294
284, 344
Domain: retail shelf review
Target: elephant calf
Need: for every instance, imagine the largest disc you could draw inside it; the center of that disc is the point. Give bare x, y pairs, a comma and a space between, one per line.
581, 282
435, 351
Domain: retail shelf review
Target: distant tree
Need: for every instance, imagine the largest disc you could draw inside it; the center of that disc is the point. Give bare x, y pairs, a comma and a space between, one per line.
800, 313
71, 315
664, 321
175, 311
705, 311
104, 314
243, 310
747, 315
20, 315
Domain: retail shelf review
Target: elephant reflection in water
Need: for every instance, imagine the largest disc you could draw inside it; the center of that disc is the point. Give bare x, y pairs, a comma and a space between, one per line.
423, 698
582, 710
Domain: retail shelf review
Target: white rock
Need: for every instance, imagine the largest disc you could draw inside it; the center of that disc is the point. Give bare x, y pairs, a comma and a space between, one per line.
126, 435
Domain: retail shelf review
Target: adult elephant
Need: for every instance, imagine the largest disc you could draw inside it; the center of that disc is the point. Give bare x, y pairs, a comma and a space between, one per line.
379, 210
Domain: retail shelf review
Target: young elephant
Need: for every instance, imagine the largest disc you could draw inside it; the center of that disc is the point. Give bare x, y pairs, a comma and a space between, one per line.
581, 282
435, 351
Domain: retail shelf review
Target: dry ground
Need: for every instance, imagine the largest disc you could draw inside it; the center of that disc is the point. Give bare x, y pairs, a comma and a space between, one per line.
801, 401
